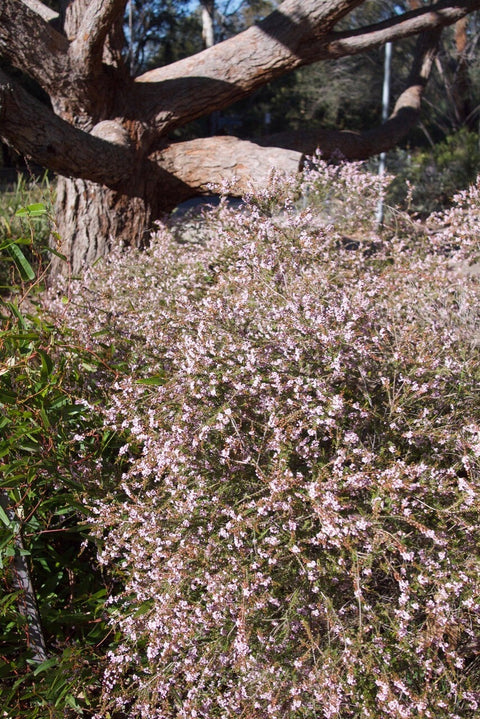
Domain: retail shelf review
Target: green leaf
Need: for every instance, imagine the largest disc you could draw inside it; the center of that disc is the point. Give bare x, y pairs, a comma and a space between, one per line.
14, 310
4, 517
61, 401
71, 701
23, 265
89, 366
58, 254
7, 397
45, 665
47, 363
36, 210
72, 410
17, 241
24, 337
45, 419
155, 379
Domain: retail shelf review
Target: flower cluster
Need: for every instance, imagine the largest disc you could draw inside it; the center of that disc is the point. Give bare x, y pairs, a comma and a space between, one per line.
297, 534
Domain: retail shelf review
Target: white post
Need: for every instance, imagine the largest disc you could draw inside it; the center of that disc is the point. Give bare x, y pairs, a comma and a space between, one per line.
385, 108
130, 31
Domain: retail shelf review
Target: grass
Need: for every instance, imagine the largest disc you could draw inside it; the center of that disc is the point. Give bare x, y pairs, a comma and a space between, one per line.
24, 234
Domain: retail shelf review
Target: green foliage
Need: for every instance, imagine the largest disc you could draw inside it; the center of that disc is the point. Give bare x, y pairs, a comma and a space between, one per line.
437, 173
25, 227
54, 453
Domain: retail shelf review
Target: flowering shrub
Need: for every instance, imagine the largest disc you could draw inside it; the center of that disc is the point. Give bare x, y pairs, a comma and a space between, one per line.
297, 532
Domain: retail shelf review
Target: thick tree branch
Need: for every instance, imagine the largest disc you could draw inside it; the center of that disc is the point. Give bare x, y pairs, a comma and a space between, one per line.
361, 145
296, 34
87, 47
410, 23
218, 160
245, 165
31, 44
36, 132
218, 76
44, 11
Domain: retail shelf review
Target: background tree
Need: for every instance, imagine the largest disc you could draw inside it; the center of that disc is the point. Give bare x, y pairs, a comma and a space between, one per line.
160, 32
109, 135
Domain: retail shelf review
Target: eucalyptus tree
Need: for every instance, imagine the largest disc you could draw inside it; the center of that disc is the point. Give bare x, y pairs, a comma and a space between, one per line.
108, 133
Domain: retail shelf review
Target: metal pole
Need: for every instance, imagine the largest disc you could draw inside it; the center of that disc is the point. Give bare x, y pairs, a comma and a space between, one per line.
130, 32
385, 108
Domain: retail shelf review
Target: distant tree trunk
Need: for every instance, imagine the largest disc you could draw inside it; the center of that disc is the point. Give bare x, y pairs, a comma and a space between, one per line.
22, 581
208, 28
208, 39
461, 90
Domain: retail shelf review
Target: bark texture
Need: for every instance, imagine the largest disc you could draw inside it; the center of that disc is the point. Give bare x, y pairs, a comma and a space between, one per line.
92, 219
107, 134
108, 219
22, 581
228, 161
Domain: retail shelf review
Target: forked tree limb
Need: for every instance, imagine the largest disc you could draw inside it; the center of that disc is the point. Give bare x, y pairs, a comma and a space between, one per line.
173, 95
217, 159
170, 96
298, 32
341, 44
362, 145
31, 44
87, 47
36, 132
50, 141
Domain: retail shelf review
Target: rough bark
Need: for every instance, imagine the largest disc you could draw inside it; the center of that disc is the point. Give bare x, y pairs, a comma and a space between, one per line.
22, 581
86, 50
39, 134
107, 133
108, 219
92, 219
40, 52
227, 161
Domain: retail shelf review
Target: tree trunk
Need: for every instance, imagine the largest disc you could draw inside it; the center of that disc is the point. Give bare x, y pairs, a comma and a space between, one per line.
92, 220
208, 33
22, 581
462, 90
111, 133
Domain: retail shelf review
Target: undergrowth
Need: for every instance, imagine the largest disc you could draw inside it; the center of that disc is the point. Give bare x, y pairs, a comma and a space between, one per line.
25, 227
54, 453
295, 532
